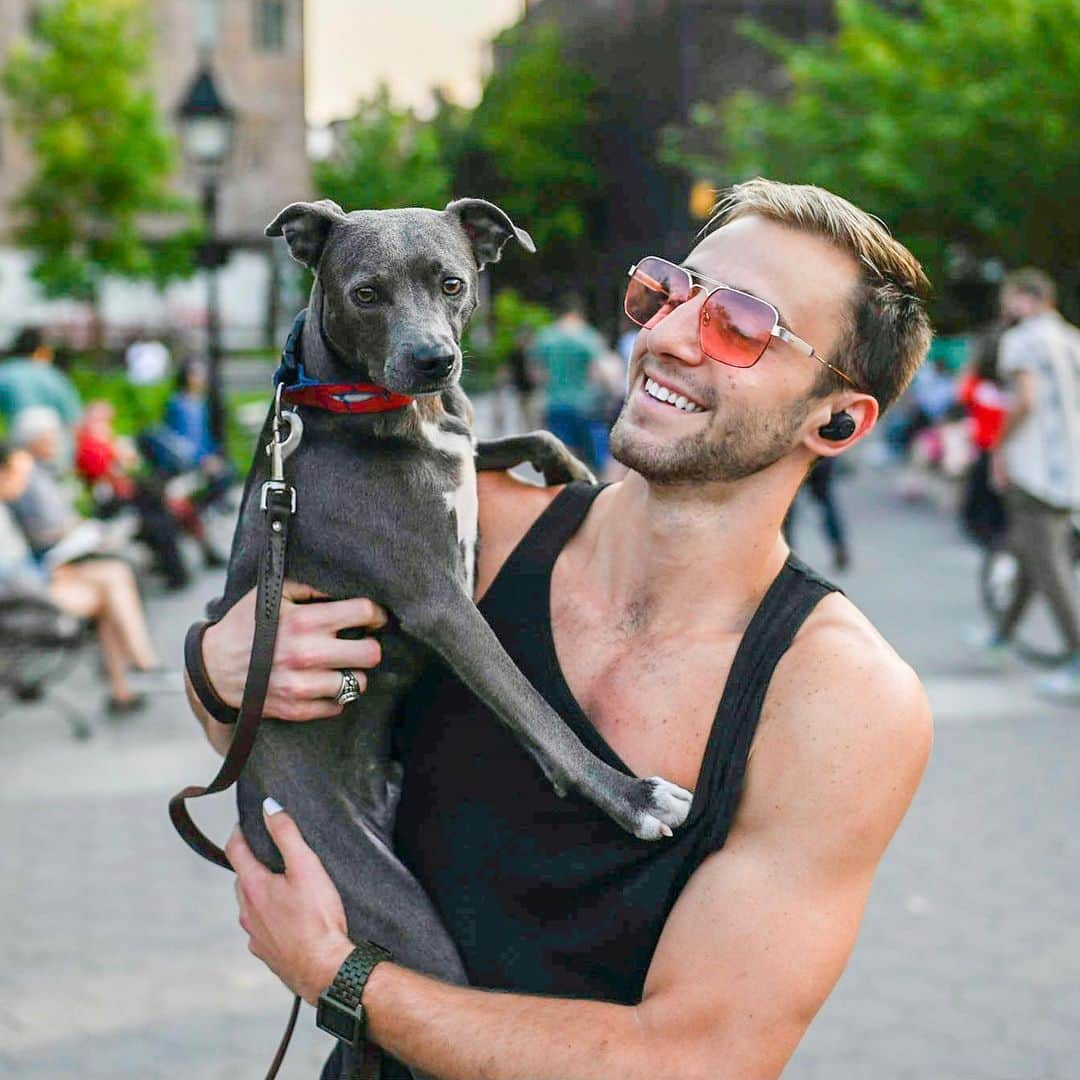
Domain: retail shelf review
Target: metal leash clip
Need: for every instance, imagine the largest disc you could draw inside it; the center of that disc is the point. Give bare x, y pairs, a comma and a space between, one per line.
279, 449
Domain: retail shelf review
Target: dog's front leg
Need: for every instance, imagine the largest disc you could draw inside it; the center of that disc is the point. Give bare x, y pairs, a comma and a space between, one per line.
450, 623
542, 450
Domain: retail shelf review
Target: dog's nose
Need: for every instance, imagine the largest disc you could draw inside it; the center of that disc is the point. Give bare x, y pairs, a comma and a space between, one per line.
433, 361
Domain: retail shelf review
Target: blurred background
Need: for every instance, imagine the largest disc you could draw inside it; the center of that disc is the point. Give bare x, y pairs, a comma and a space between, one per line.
144, 146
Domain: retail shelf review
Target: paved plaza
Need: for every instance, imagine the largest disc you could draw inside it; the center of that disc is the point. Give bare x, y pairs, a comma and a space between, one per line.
122, 958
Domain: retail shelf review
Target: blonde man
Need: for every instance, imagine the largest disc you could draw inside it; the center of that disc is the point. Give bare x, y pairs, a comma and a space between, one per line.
666, 619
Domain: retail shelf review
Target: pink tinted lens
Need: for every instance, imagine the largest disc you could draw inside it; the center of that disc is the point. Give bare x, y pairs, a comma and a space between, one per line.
735, 327
656, 288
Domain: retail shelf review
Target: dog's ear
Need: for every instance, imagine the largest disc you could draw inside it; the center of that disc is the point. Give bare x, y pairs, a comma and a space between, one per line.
487, 228
305, 226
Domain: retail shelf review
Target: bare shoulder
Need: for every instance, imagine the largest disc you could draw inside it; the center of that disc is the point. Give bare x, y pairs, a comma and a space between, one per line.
508, 508
845, 729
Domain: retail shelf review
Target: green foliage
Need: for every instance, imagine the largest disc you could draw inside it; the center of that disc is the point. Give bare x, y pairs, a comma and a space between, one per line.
534, 129
135, 407
389, 159
78, 93
487, 348
955, 124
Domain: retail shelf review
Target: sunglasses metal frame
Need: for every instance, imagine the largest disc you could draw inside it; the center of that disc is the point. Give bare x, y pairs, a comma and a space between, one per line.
777, 331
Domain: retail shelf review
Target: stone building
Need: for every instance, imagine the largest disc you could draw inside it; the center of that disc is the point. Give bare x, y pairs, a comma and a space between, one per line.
254, 49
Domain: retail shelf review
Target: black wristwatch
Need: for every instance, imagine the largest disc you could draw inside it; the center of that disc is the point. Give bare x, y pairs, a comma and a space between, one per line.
339, 1011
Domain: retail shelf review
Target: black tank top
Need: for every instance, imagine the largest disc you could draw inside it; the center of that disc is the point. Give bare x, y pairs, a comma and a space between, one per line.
545, 895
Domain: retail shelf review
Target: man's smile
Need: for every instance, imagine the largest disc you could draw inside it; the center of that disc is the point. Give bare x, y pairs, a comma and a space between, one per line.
660, 391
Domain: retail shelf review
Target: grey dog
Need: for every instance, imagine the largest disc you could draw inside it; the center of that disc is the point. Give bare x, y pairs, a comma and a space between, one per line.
386, 508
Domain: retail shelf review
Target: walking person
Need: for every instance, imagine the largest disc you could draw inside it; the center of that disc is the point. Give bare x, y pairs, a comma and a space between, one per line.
1039, 457
565, 352
819, 486
983, 397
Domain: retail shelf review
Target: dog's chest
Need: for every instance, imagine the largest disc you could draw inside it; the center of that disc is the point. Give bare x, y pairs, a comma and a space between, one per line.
461, 500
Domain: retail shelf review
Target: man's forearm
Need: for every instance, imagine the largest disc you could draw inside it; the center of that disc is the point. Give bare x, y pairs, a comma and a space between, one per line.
457, 1033
1013, 420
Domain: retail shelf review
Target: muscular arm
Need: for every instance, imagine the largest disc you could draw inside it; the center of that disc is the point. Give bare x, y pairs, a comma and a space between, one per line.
756, 941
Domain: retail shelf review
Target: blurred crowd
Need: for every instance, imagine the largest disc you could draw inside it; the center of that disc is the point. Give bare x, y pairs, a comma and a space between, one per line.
88, 516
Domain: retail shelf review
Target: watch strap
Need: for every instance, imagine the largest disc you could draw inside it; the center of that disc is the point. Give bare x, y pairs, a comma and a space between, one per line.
200, 681
351, 978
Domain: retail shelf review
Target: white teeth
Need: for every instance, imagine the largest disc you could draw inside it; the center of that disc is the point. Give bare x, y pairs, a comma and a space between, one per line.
662, 393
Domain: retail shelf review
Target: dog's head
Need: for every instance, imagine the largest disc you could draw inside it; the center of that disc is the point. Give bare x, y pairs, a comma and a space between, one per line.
397, 286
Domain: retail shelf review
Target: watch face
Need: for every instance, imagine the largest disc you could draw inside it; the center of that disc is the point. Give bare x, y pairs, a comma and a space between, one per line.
339, 1021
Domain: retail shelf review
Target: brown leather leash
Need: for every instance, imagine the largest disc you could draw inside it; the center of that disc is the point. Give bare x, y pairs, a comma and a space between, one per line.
278, 502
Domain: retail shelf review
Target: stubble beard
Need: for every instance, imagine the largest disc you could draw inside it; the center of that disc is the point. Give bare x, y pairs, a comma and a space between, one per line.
746, 445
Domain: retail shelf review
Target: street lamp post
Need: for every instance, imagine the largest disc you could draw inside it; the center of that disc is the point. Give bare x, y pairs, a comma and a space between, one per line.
206, 130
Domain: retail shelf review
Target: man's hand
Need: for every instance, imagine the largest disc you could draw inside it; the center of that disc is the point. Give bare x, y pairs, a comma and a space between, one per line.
295, 921
308, 658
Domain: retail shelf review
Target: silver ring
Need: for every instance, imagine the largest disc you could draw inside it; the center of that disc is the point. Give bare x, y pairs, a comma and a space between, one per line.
350, 688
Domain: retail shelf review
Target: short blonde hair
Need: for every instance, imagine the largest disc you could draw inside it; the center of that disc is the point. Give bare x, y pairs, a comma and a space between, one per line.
889, 333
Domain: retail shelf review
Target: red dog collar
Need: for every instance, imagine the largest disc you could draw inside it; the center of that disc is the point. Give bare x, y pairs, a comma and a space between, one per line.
345, 397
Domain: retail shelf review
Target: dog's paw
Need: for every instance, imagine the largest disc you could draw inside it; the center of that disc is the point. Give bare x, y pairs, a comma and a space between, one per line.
565, 470
665, 809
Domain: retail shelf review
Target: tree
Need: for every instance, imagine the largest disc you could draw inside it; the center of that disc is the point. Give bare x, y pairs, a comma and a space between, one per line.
103, 159
532, 145
953, 123
388, 158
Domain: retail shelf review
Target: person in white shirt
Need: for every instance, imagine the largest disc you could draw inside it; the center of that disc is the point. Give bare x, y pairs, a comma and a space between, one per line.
1039, 456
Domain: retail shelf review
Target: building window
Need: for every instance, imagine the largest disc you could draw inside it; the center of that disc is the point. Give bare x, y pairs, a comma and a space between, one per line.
208, 29
270, 25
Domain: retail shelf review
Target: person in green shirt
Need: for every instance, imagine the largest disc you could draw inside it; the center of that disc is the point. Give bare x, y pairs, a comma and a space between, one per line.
565, 352
30, 379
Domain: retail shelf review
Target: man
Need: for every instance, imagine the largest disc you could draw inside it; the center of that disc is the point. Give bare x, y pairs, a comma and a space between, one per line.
565, 351
640, 607
1039, 452
30, 378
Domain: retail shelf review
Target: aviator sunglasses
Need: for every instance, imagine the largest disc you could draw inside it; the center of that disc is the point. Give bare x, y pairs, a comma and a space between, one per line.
734, 328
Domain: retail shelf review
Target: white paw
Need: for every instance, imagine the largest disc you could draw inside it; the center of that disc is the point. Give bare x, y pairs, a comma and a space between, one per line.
667, 810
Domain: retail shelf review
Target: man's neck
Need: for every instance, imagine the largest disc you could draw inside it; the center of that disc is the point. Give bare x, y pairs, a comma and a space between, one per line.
686, 555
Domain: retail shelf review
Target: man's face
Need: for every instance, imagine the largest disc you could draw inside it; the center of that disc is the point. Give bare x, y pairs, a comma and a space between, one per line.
751, 417
1016, 305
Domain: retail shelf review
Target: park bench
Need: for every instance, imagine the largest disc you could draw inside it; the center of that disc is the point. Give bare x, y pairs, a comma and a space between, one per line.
39, 645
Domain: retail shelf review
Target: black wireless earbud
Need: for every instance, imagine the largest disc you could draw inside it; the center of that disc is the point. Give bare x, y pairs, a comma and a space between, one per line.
841, 426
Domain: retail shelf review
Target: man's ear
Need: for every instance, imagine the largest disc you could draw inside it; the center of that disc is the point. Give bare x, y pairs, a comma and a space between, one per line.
487, 228
305, 226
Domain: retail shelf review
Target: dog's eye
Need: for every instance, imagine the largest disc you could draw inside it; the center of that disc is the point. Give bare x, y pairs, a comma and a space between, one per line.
365, 295
452, 286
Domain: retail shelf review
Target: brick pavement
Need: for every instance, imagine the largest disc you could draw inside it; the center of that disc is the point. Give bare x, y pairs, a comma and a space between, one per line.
122, 958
